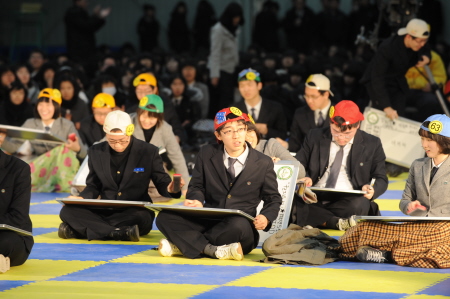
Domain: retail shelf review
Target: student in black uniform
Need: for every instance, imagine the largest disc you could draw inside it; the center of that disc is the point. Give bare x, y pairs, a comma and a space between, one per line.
91, 128
15, 197
342, 156
227, 175
119, 169
312, 116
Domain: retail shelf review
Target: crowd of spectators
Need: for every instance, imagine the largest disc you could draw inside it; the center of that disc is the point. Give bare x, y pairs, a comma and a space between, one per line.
196, 76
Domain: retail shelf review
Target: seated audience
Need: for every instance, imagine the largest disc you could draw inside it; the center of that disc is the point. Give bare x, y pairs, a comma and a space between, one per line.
315, 115
268, 115
342, 157
14, 210
15, 110
56, 165
91, 128
151, 127
228, 175
120, 168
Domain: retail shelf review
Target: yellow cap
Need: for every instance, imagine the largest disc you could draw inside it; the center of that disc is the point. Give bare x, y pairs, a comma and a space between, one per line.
52, 94
145, 79
103, 100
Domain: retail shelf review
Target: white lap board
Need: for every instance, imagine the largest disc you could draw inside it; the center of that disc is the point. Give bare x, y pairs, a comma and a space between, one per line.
30, 134
286, 172
400, 138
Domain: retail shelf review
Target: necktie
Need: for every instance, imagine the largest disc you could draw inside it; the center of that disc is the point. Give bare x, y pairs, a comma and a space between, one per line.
335, 169
230, 169
433, 172
252, 113
47, 129
320, 121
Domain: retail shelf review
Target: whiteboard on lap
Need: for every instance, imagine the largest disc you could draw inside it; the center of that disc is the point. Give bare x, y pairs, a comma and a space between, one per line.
286, 172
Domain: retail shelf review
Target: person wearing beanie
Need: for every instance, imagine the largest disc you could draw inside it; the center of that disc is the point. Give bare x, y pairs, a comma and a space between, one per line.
91, 128
342, 157
120, 168
268, 115
227, 175
385, 79
314, 115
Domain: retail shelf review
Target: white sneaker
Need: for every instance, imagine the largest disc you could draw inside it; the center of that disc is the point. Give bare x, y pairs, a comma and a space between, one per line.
231, 251
4, 264
346, 223
167, 249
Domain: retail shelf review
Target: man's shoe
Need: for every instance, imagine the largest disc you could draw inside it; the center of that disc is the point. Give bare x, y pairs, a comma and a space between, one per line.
231, 251
369, 254
4, 264
168, 249
65, 231
125, 233
346, 223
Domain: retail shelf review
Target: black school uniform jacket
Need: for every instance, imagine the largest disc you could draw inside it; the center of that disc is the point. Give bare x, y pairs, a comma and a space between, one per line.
15, 195
272, 114
366, 159
304, 122
257, 181
144, 164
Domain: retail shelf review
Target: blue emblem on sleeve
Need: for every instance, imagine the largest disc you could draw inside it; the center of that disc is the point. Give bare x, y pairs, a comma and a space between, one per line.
138, 170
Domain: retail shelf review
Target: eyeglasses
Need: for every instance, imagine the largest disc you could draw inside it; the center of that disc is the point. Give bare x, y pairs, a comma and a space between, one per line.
308, 97
347, 135
121, 142
230, 132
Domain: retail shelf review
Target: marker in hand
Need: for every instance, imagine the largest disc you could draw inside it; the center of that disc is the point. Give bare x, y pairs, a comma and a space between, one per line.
372, 183
176, 183
73, 137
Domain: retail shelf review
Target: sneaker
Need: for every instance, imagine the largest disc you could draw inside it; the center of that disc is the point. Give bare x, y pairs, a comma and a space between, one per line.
168, 249
231, 251
4, 264
369, 254
346, 223
65, 231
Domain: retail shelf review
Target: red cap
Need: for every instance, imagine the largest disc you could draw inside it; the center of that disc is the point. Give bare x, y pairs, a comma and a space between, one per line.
447, 88
248, 118
348, 110
221, 116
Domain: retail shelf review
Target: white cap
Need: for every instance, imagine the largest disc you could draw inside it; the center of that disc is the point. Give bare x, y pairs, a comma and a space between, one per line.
319, 82
118, 120
417, 28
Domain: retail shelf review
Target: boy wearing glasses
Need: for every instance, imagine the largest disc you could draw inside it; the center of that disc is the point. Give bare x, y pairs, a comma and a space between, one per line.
314, 115
268, 115
227, 175
342, 157
119, 169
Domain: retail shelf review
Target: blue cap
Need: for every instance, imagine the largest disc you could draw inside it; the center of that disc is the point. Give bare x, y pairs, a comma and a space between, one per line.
439, 124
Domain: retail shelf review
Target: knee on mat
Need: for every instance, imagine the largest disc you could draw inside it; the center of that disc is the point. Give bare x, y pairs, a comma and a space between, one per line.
360, 206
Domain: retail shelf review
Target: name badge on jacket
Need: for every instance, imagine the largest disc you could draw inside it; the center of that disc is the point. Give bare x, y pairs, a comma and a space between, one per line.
137, 170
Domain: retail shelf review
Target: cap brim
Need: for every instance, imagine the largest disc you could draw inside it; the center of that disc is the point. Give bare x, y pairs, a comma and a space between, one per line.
402, 31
